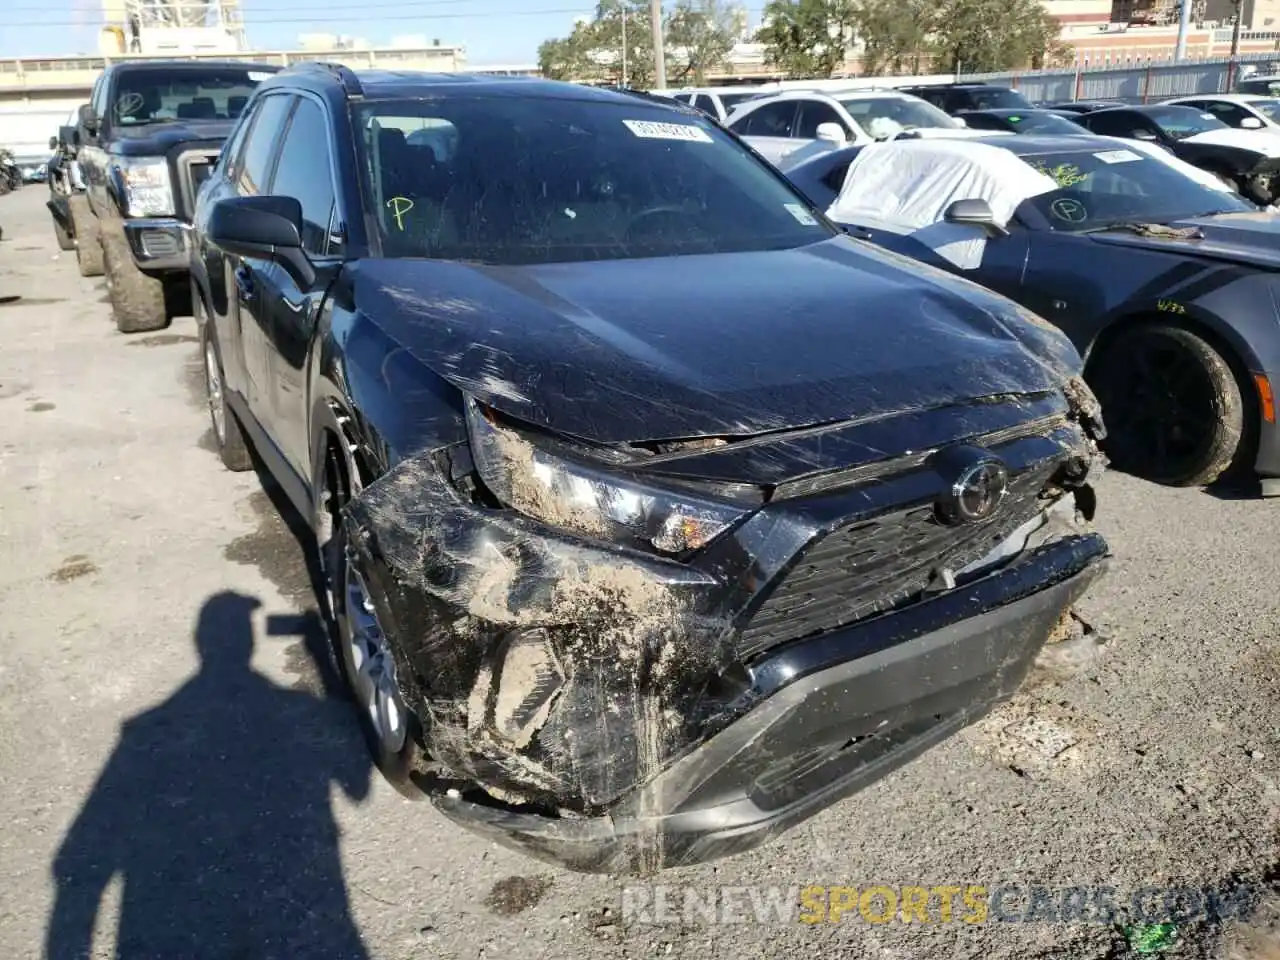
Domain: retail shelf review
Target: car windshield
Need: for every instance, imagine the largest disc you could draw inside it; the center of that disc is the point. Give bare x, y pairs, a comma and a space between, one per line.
513, 180
1268, 108
884, 116
1102, 187
1038, 122
731, 100
998, 98
159, 96
1182, 122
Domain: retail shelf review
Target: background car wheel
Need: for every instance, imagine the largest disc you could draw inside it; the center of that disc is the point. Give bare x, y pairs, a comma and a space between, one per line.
364, 657
1172, 404
232, 448
137, 301
88, 242
64, 238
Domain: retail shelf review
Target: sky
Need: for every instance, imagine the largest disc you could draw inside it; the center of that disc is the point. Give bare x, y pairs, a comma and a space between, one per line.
493, 31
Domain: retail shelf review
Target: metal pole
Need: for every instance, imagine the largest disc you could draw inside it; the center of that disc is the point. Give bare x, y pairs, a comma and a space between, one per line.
1235, 30
659, 55
1184, 24
624, 45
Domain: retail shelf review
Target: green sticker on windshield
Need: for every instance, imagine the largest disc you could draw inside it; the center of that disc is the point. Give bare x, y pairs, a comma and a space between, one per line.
1064, 174
1015, 119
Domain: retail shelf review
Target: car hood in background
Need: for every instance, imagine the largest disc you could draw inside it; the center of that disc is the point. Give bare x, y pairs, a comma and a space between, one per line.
716, 345
1243, 237
153, 139
1259, 141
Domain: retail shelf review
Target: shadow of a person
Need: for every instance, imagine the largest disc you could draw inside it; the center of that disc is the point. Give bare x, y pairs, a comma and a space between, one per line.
214, 813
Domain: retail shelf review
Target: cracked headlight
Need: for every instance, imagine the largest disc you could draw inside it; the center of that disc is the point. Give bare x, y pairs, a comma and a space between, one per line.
578, 497
144, 186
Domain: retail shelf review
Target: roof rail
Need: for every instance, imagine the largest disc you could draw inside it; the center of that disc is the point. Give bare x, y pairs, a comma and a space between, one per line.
344, 74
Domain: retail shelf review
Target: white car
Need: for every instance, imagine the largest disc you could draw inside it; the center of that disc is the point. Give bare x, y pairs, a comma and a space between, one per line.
718, 102
1245, 111
779, 125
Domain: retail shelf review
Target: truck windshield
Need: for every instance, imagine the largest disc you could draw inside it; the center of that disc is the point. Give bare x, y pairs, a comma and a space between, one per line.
165, 95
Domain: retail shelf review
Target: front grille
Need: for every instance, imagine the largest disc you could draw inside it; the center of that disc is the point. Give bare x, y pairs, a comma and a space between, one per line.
871, 566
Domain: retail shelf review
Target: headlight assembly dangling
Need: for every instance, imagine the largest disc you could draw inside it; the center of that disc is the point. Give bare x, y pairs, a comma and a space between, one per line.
145, 186
589, 500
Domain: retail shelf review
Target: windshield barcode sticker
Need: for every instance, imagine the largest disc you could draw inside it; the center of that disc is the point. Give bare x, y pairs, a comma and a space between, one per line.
652, 130
801, 214
1117, 156
257, 76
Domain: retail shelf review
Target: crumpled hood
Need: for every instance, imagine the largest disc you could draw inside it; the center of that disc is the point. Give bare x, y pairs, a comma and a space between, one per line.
1259, 141
154, 139
1252, 238
727, 344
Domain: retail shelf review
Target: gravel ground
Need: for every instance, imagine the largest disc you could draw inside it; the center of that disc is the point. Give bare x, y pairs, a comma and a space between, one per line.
175, 765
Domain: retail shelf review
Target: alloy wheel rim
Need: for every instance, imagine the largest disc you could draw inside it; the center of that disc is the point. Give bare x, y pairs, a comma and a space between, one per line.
213, 383
374, 670
1166, 409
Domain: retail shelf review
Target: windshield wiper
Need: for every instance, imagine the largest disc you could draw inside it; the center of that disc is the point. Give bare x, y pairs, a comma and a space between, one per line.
1148, 229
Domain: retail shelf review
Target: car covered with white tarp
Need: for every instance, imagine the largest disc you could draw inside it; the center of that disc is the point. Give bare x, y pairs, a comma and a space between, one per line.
1162, 276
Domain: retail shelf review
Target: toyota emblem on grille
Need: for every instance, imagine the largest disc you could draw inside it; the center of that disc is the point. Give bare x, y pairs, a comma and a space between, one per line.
979, 482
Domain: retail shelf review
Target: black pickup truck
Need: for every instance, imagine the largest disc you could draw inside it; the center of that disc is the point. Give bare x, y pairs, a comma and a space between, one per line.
147, 140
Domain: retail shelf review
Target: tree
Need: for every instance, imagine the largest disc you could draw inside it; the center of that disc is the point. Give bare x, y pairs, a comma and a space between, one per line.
699, 36
807, 38
894, 34
988, 35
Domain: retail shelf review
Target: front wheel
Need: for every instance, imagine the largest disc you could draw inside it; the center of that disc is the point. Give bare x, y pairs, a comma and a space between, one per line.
137, 300
1174, 411
365, 658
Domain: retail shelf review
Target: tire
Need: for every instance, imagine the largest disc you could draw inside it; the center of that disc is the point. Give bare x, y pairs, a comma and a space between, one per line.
233, 449
65, 240
350, 623
137, 300
1173, 406
88, 240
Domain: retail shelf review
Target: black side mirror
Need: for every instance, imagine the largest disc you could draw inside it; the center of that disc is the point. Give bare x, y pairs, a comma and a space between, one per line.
266, 228
88, 119
975, 213
53, 143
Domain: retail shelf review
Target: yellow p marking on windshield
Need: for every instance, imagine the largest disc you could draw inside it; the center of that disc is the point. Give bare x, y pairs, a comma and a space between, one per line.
399, 207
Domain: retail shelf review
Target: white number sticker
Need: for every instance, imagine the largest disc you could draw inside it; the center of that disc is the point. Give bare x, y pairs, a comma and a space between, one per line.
1117, 156
801, 214
652, 130
257, 76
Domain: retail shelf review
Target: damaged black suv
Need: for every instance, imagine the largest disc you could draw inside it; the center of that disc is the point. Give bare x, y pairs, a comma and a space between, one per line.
656, 514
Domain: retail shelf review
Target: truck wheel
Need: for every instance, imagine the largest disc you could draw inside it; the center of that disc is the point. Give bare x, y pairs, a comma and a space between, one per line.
1173, 406
136, 299
65, 240
88, 242
232, 448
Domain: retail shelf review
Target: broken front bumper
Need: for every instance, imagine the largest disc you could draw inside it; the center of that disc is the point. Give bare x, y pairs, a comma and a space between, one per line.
830, 716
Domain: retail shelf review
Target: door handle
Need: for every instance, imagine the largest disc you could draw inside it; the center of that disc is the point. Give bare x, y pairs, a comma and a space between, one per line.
244, 282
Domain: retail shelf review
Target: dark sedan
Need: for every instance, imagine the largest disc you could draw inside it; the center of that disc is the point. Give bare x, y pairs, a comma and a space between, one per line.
1080, 106
641, 545
1249, 160
1022, 121
1163, 278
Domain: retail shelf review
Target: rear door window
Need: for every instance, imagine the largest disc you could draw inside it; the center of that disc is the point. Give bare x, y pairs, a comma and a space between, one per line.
770, 120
